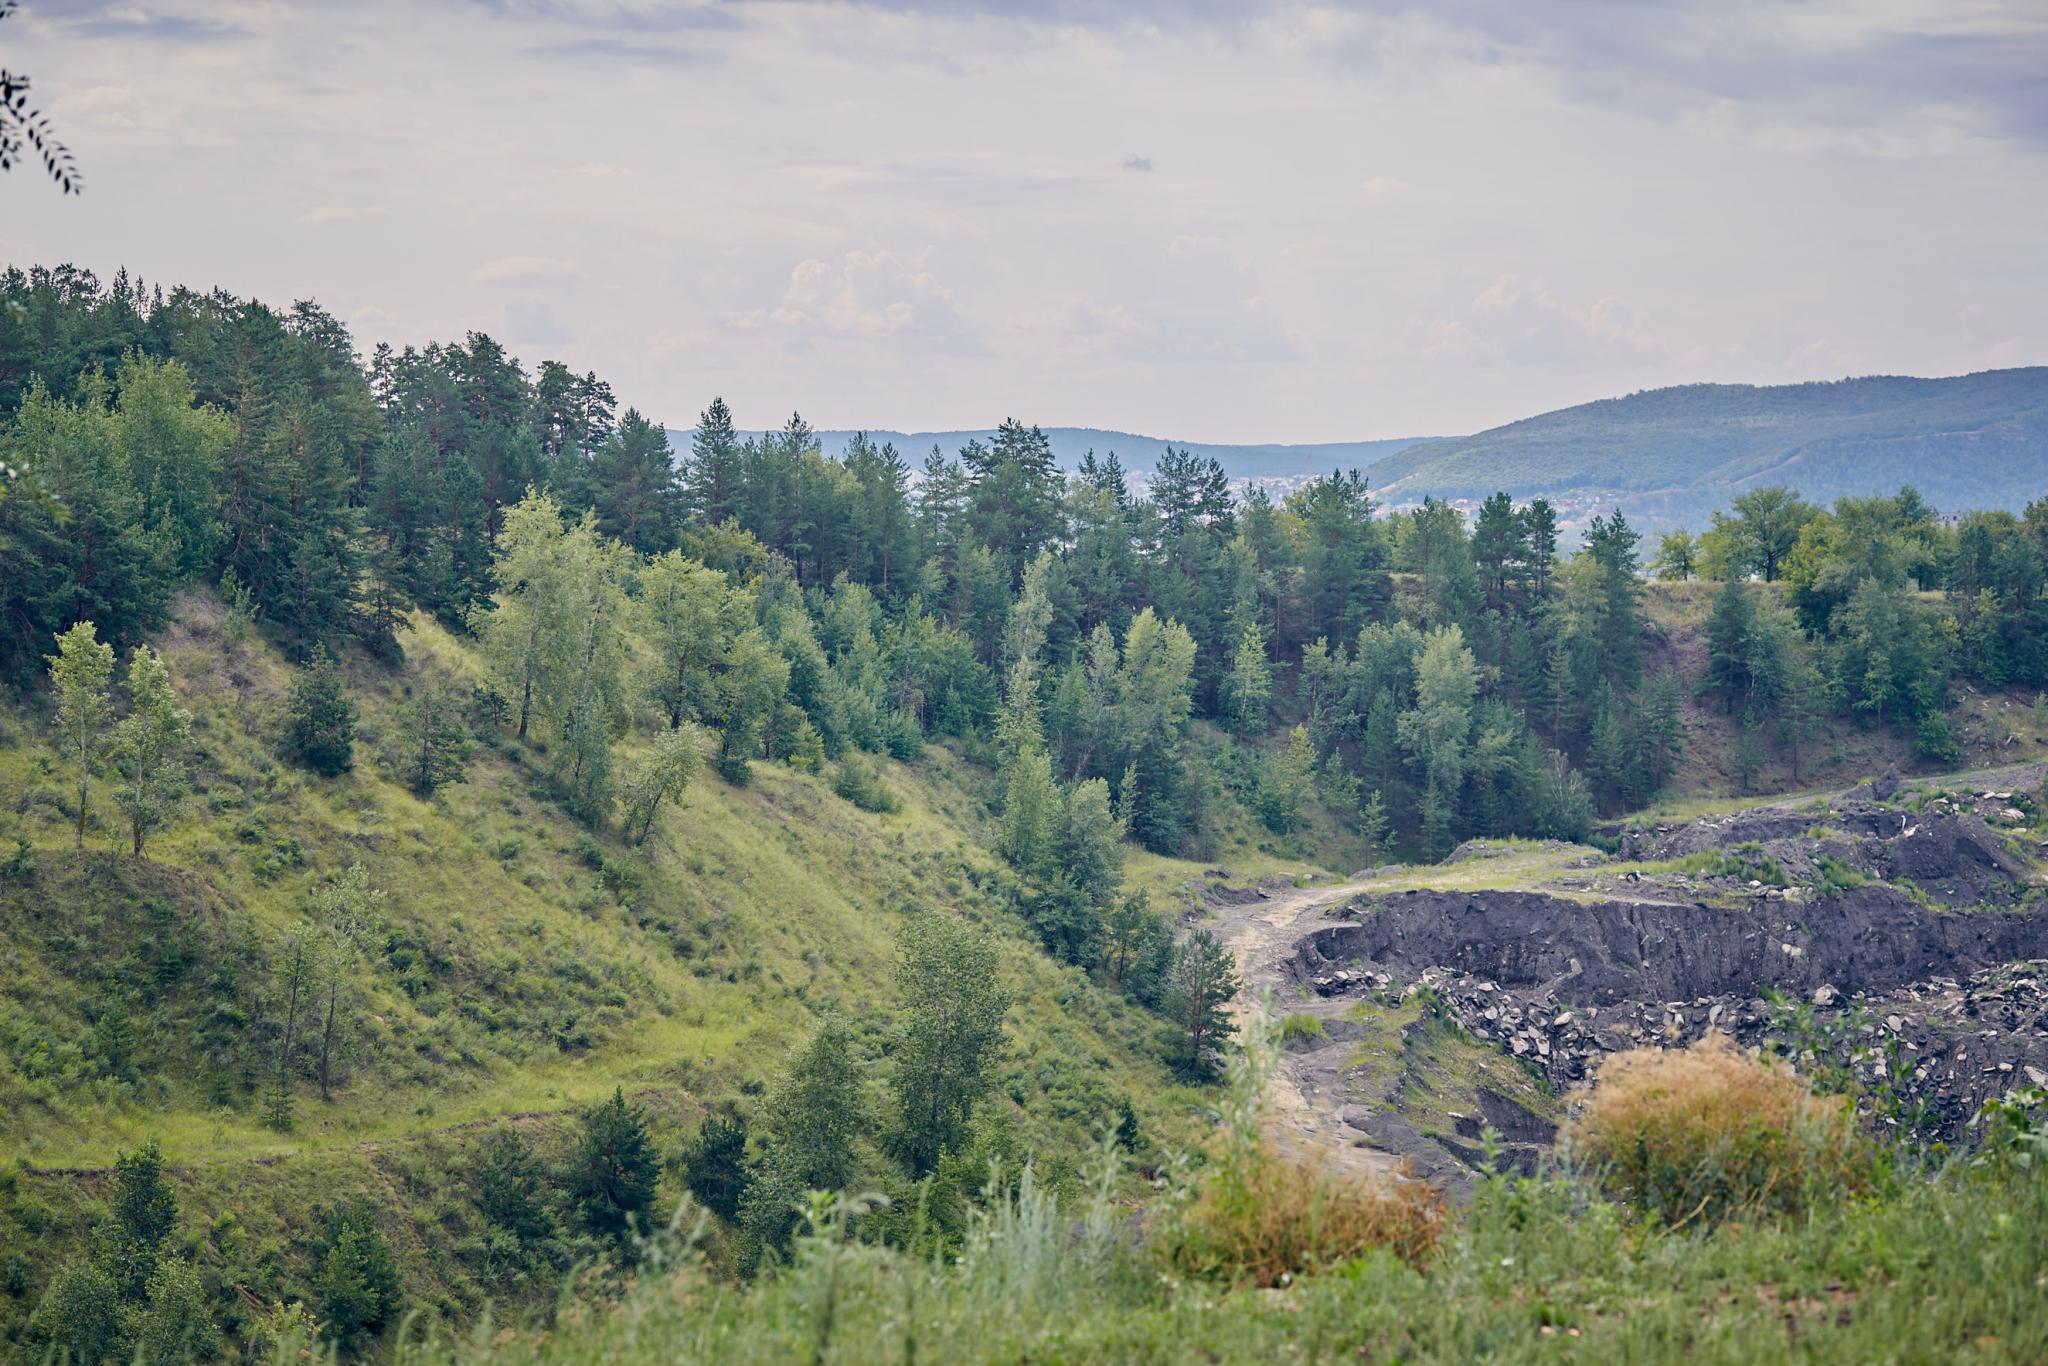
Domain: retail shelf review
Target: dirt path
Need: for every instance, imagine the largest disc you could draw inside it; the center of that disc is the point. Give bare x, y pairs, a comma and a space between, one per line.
1302, 1112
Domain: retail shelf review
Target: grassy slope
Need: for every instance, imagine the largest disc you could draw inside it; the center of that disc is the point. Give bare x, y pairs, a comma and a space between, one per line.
535, 968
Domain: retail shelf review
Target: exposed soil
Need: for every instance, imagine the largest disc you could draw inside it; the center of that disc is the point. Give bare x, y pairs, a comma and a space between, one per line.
1909, 930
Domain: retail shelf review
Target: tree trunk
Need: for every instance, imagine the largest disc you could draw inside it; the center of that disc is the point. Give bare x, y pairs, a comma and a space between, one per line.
327, 1043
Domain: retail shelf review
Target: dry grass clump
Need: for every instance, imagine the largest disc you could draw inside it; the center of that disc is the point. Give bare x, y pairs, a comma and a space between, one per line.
1265, 1217
1701, 1133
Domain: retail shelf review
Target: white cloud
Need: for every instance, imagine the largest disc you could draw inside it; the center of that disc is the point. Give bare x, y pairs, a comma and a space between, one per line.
865, 294
510, 268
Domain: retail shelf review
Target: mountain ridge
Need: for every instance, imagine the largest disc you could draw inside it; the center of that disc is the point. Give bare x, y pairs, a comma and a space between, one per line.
1666, 455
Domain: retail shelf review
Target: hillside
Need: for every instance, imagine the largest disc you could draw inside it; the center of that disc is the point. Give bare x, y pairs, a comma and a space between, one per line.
1667, 455
529, 966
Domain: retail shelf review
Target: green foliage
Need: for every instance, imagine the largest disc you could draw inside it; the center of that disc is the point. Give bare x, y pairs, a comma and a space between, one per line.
1200, 986
1301, 1028
612, 1175
952, 1013
436, 745
81, 672
320, 720
510, 1192
148, 746
80, 1314
860, 782
662, 776
714, 1165
357, 1278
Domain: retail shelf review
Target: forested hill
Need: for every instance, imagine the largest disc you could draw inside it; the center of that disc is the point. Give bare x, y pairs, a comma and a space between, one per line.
1136, 452
1671, 454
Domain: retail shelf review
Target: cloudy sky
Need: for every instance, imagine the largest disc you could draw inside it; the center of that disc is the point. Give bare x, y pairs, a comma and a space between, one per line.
1205, 219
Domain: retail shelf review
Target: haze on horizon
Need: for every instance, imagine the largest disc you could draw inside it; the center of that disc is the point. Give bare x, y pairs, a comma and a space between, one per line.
1265, 222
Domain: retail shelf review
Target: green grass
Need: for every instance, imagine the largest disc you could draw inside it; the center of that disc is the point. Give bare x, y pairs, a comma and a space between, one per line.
1946, 1270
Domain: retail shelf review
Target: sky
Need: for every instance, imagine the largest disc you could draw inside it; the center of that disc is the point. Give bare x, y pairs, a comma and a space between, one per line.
1190, 218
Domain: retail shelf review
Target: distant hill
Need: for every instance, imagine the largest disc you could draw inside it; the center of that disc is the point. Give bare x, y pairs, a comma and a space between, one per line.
1667, 456
1671, 454
1138, 453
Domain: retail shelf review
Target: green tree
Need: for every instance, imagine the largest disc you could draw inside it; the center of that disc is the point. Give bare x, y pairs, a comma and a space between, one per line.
436, 743
526, 634
668, 769
320, 718
174, 1324
614, 1169
1677, 557
347, 910
1731, 630
1292, 779
752, 686
1500, 544
715, 1165
148, 745
1031, 815
1248, 687
1199, 989
80, 1314
356, 1276
1764, 529
953, 1008
81, 671
691, 615
509, 1190
145, 1213
817, 1110
298, 973
1437, 731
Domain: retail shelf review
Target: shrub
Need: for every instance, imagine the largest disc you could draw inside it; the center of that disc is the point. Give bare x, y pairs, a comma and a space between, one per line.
1301, 1028
1265, 1217
1709, 1131
860, 782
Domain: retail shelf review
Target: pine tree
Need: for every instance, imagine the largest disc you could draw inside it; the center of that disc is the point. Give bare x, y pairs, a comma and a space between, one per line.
320, 719
715, 1165
1730, 631
357, 1278
81, 671
436, 743
614, 1169
148, 745
509, 1187
1372, 826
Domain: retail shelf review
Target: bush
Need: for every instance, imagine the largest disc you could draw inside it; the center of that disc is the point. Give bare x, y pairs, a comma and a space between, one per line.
1301, 1028
1709, 1131
1265, 1217
1270, 1216
860, 782
1934, 740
